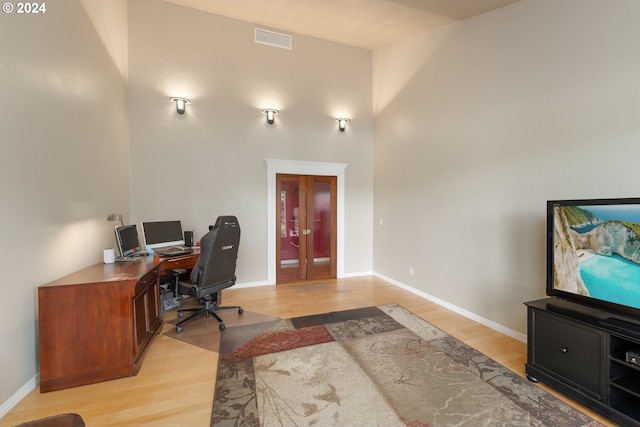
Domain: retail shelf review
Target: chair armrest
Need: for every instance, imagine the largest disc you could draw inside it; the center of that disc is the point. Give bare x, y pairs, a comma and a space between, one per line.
176, 271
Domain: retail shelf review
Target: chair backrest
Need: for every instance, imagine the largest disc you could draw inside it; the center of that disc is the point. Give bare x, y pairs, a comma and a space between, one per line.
218, 254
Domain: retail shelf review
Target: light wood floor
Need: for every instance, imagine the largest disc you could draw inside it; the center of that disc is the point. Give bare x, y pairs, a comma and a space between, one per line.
175, 385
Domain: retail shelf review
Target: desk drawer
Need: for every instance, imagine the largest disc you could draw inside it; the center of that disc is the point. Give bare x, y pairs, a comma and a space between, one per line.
186, 262
149, 279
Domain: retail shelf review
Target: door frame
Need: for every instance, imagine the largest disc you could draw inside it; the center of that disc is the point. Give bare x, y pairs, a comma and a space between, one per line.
301, 167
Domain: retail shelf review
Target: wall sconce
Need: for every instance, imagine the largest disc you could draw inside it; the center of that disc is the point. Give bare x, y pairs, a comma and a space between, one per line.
342, 124
181, 103
271, 114
115, 217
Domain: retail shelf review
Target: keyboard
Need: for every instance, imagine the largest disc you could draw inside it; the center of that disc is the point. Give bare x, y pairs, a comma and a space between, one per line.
173, 252
137, 256
127, 258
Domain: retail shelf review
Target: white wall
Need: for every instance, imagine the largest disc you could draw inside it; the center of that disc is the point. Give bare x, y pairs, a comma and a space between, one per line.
216, 151
63, 165
479, 123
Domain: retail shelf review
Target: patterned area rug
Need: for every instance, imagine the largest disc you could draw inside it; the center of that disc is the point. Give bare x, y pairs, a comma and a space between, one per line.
376, 366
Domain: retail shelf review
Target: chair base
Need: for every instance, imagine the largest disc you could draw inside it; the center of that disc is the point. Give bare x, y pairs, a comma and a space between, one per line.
209, 308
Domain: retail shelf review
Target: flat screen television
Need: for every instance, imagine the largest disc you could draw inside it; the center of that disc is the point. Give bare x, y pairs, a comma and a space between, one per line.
159, 234
593, 253
127, 238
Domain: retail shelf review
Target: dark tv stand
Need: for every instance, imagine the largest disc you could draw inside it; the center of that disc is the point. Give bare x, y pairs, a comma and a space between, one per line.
581, 351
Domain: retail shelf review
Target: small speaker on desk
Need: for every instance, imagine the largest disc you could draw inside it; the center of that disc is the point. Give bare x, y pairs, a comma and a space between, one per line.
188, 238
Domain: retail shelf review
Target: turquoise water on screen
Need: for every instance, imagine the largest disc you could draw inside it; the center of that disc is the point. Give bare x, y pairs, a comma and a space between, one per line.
612, 278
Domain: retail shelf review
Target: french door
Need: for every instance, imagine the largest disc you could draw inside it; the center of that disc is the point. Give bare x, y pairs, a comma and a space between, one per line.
306, 227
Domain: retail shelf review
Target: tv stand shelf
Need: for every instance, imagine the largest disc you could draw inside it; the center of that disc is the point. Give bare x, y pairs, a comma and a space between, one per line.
582, 352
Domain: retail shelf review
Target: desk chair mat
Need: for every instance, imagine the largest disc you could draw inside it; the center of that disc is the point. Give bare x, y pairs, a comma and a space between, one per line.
205, 332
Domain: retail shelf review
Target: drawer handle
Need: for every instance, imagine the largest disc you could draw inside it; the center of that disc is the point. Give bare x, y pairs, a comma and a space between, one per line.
565, 350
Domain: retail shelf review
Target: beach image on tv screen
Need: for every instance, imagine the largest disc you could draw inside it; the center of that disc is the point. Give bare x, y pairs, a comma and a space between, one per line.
596, 252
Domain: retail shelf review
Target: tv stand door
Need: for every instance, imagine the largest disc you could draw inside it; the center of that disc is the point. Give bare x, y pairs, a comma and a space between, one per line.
567, 350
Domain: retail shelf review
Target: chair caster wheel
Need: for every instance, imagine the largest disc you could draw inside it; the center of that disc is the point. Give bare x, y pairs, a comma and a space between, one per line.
221, 326
240, 311
180, 314
178, 329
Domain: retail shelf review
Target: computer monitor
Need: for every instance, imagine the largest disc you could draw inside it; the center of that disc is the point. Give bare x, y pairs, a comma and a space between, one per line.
127, 238
158, 234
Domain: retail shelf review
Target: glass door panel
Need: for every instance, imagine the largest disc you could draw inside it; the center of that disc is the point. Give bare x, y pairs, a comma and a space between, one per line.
321, 227
321, 223
291, 222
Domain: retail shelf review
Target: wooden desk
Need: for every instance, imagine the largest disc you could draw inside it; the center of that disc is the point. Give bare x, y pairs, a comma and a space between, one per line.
95, 324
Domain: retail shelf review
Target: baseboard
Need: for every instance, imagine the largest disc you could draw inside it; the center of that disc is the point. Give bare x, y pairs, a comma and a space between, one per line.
468, 314
266, 282
10, 403
360, 274
251, 284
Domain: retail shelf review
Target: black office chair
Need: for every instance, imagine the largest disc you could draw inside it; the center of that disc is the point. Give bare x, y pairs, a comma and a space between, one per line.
214, 271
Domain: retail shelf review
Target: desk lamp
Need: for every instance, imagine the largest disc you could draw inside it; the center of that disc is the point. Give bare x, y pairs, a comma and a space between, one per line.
115, 217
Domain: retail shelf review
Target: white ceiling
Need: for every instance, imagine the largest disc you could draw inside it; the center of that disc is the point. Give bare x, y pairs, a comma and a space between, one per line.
363, 23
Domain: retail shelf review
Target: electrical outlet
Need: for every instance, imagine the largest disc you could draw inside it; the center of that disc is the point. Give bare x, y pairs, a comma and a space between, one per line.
380, 221
411, 271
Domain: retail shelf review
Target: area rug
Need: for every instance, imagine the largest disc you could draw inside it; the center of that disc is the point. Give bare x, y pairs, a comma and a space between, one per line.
375, 366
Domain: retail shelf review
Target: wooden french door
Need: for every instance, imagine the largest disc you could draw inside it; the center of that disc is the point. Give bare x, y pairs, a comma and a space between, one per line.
306, 227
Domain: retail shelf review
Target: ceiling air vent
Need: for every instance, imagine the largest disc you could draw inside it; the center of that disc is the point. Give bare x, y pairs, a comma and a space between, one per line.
273, 39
